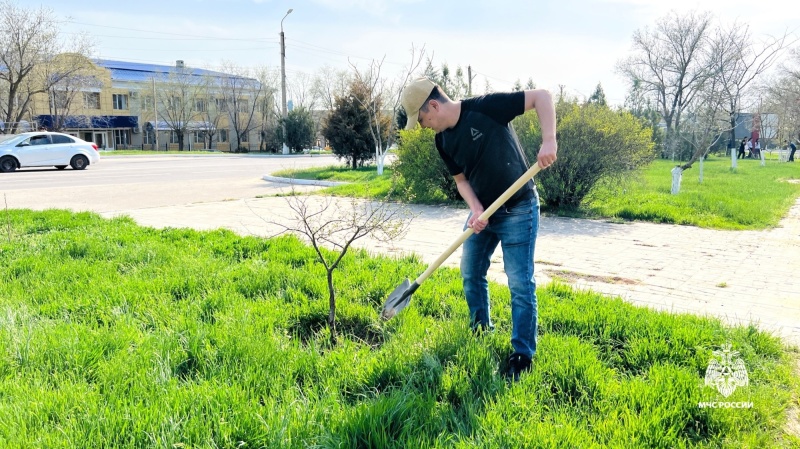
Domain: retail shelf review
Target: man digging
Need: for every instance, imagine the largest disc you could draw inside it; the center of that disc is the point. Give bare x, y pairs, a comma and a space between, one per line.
475, 140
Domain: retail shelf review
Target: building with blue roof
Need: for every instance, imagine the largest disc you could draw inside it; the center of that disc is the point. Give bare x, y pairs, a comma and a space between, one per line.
123, 104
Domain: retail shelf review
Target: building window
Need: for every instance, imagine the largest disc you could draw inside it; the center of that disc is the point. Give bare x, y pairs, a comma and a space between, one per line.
222, 105
244, 137
173, 137
244, 105
201, 105
148, 138
120, 101
147, 103
122, 137
222, 136
174, 104
91, 100
199, 137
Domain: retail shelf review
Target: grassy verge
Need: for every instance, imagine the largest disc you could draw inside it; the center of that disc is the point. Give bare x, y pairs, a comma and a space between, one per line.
365, 181
114, 335
752, 197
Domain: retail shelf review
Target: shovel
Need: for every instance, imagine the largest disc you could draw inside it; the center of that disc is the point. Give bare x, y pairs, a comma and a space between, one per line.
401, 296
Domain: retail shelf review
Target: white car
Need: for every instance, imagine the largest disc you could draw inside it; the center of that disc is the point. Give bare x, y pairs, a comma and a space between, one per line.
45, 149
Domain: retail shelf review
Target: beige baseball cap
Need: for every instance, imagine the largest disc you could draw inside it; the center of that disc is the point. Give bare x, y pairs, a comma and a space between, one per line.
414, 95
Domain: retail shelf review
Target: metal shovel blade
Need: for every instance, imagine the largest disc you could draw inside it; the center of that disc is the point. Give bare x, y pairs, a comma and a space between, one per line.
401, 296
398, 299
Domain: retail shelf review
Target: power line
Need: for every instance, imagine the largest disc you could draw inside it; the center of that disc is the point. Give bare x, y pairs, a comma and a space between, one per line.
188, 50
314, 47
163, 32
180, 39
494, 78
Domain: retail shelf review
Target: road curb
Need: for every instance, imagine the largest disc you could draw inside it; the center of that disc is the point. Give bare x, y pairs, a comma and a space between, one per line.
305, 182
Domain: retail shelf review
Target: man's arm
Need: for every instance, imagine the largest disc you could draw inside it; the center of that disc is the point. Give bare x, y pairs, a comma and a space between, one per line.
541, 100
475, 206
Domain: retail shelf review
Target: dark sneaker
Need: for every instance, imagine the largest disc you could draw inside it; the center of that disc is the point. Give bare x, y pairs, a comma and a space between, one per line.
517, 364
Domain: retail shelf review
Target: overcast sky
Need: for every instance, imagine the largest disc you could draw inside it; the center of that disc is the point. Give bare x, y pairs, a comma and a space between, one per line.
575, 43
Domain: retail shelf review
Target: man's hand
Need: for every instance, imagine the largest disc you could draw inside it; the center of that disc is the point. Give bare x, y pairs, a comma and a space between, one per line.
547, 153
476, 224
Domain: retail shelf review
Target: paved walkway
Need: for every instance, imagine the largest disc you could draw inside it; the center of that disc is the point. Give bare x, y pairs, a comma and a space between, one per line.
740, 276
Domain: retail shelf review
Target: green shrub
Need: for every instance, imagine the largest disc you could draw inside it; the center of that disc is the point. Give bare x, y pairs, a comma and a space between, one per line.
423, 177
595, 145
299, 129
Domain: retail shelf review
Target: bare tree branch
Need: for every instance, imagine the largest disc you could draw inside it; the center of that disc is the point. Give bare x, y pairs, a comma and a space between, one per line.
383, 99
668, 64
331, 227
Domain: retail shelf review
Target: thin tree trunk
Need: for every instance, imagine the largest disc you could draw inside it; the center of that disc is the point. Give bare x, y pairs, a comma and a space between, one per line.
379, 157
332, 305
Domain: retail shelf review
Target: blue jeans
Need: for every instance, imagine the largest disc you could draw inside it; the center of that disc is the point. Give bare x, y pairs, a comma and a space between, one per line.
515, 229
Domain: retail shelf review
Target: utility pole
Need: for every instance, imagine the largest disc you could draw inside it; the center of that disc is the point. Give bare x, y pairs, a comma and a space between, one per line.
283, 84
469, 77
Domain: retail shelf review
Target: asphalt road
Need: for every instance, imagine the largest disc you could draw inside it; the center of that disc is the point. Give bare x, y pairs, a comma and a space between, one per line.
133, 182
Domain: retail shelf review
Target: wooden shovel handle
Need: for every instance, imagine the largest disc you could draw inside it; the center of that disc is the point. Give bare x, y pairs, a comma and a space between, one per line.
527, 176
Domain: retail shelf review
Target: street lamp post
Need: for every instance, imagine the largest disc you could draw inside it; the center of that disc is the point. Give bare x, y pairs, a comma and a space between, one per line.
283, 84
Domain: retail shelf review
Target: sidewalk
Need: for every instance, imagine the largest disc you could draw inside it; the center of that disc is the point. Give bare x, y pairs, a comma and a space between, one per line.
742, 277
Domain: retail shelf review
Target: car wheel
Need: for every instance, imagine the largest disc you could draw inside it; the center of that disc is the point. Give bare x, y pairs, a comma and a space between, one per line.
79, 162
8, 164
61, 167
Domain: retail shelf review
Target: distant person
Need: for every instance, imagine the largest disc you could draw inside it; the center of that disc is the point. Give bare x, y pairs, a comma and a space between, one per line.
740, 154
757, 150
792, 149
749, 146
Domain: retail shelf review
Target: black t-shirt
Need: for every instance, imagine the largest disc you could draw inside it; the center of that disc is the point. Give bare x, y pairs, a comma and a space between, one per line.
484, 147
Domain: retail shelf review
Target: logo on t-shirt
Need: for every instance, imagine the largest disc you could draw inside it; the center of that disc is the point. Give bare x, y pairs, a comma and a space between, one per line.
475, 134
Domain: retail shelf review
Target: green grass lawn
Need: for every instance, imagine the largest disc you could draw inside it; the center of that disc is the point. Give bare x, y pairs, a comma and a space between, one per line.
115, 335
752, 197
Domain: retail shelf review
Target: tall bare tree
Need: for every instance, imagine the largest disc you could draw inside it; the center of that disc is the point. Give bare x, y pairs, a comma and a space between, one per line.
705, 124
329, 84
268, 110
669, 64
29, 44
302, 92
382, 100
738, 61
782, 96
179, 94
242, 95
66, 105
